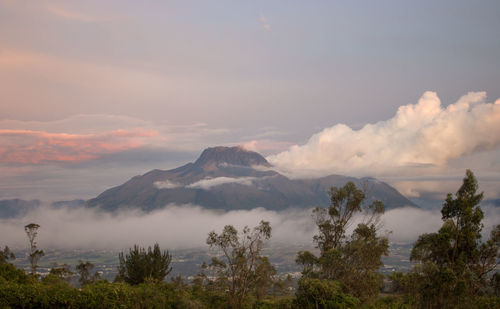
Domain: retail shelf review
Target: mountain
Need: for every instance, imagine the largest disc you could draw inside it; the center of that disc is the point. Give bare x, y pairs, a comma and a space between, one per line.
234, 178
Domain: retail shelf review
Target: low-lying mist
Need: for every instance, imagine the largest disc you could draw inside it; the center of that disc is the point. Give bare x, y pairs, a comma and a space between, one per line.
187, 226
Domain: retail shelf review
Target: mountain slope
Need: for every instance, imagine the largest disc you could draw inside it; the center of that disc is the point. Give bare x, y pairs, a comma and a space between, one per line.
233, 178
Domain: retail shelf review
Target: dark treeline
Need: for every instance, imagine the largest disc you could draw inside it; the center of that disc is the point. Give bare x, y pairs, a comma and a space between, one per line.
453, 267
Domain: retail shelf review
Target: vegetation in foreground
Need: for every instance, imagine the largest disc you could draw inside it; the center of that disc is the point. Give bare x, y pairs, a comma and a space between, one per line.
453, 268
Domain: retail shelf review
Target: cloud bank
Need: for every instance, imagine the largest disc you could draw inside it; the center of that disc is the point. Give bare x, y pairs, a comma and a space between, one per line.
206, 184
174, 227
166, 184
187, 226
420, 136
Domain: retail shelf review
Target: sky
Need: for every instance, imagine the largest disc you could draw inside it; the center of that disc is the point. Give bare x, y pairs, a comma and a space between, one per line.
93, 93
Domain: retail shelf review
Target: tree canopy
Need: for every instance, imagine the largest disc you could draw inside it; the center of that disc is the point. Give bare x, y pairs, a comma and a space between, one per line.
141, 265
353, 261
454, 266
242, 265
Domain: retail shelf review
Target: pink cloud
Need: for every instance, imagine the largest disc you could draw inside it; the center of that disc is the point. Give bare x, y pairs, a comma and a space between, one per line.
263, 21
34, 147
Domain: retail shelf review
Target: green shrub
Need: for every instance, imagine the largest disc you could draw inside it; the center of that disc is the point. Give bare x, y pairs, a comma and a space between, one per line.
9, 272
276, 303
317, 293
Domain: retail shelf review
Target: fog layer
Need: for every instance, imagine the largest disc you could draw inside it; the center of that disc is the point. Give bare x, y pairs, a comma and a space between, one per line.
187, 226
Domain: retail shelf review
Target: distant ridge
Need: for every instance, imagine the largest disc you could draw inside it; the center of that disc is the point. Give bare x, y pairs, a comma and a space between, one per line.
230, 178
16, 207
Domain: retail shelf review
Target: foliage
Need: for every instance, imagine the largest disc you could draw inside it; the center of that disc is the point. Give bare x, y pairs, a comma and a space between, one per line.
62, 272
35, 254
282, 285
263, 278
321, 293
353, 261
390, 302
455, 268
141, 266
6, 255
308, 261
276, 303
332, 222
242, 266
84, 269
102, 294
9, 272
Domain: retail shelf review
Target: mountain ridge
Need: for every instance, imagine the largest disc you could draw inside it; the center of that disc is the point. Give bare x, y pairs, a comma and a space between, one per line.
234, 178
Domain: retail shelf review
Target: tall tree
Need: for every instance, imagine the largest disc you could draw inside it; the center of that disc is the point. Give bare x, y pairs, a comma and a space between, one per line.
264, 278
241, 256
142, 265
354, 260
454, 265
35, 254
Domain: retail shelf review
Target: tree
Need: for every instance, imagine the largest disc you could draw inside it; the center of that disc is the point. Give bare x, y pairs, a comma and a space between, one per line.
241, 255
356, 264
454, 265
332, 222
63, 271
6, 255
84, 269
309, 263
283, 285
141, 266
353, 261
35, 254
263, 279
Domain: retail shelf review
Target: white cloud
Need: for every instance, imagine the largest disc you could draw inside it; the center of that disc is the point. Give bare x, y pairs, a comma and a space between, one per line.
166, 184
436, 189
422, 136
406, 224
206, 184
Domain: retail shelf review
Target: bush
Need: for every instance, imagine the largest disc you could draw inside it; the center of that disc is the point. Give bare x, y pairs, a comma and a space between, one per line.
9, 272
317, 293
276, 303
37, 295
55, 293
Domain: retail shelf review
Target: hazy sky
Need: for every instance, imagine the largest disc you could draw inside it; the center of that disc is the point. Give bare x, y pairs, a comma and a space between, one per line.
95, 92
